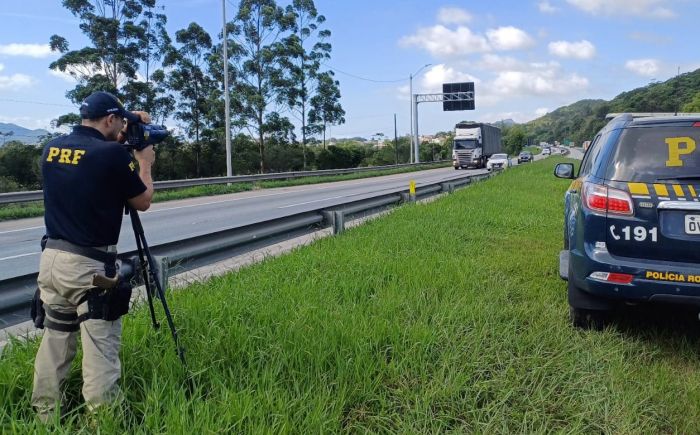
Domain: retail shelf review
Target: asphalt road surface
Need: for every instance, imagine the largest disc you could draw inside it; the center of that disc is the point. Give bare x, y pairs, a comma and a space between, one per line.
174, 220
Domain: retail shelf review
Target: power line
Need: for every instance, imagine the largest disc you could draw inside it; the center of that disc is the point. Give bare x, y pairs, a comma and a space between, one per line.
12, 100
362, 78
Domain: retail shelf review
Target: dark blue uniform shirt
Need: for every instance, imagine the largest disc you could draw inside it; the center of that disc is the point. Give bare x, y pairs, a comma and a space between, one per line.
87, 181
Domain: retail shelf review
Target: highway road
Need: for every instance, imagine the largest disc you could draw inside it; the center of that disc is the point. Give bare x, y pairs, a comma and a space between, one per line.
174, 220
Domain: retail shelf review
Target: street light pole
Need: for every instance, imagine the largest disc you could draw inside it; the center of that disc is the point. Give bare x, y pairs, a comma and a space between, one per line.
410, 99
414, 116
227, 110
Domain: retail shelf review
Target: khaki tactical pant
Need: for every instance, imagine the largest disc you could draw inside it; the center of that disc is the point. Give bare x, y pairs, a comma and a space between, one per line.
64, 278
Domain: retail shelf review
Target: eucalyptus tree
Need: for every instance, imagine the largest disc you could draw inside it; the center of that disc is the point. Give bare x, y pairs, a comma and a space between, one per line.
325, 105
303, 50
257, 30
118, 32
189, 77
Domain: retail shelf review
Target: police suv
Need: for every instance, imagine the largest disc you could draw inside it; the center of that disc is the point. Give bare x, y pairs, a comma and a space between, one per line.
632, 217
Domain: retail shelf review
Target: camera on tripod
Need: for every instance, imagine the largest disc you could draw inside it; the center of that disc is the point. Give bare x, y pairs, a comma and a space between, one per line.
140, 135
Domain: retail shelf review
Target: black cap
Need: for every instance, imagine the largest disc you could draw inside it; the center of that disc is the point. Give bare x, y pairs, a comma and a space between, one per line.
100, 104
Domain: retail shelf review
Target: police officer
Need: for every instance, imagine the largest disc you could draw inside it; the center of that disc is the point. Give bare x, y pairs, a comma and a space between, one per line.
88, 178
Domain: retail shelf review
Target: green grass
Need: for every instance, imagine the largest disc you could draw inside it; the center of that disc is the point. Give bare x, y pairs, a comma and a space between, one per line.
440, 317
35, 209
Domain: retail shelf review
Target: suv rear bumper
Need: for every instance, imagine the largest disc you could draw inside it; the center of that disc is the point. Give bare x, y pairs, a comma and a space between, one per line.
663, 281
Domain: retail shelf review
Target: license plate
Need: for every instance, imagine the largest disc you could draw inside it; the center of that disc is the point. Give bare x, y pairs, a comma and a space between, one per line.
692, 224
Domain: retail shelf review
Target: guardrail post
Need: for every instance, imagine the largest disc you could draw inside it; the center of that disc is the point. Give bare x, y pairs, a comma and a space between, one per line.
412, 191
447, 187
163, 268
338, 222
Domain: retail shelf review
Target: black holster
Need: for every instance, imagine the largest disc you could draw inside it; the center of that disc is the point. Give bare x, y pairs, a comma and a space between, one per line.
36, 311
108, 304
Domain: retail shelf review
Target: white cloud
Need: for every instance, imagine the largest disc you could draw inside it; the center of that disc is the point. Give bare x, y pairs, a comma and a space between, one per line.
541, 111
546, 8
439, 74
647, 8
509, 38
14, 81
30, 50
64, 75
540, 80
441, 41
526, 80
453, 16
578, 50
495, 62
643, 67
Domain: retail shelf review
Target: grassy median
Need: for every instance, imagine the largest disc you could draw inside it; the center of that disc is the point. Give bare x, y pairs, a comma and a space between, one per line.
36, 208
447, 316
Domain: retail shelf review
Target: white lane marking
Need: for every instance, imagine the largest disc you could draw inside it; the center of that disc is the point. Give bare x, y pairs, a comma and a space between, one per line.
19, 256
311, 202
214, 202
264, 196
21, 229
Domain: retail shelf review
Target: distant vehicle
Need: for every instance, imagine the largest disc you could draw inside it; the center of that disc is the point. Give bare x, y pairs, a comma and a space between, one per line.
474, 143
525, 156
632, 218
498, 161
547, 152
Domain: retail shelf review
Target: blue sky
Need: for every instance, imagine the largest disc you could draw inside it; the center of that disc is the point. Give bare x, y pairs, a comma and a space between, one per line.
526, 57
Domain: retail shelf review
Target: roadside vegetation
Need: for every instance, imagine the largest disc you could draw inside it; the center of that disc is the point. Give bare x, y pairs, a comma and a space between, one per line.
447, 316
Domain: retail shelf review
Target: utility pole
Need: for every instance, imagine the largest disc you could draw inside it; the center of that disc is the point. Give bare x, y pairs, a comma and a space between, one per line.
229, 168
410, 98
396, 141
414, 116
416, 152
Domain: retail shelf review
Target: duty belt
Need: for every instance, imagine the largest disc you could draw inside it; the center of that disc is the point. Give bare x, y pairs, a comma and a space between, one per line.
108, 258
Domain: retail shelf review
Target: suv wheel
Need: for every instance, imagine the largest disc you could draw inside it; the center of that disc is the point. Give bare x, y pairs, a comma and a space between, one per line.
588, 319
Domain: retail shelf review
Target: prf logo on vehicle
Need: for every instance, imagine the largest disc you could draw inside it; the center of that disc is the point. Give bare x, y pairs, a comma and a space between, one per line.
675, 150
670, 276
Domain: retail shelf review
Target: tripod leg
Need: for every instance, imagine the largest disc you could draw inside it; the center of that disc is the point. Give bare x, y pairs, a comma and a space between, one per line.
144, 250
146, 280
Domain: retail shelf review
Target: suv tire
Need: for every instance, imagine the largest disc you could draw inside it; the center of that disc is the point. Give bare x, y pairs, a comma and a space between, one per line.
595, 320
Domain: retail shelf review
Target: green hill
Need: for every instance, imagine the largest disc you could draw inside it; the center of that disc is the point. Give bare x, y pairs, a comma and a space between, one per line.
582, 120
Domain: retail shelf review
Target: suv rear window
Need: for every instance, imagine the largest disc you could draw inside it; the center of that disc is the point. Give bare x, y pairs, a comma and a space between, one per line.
648, 154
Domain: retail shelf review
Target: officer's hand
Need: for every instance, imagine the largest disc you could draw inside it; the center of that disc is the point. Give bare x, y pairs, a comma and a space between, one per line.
145, 117
146, 156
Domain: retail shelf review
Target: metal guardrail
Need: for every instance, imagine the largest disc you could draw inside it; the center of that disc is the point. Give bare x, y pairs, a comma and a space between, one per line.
37, 195
187, 254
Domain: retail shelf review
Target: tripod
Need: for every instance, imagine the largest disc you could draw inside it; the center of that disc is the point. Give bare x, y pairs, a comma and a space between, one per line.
150, 279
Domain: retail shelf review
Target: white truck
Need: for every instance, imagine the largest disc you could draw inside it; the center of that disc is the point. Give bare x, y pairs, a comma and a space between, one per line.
474, 143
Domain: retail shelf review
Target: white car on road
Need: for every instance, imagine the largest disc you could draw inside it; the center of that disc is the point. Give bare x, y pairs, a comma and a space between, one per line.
498, 161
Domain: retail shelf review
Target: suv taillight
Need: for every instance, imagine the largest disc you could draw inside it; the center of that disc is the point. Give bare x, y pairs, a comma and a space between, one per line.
604, 199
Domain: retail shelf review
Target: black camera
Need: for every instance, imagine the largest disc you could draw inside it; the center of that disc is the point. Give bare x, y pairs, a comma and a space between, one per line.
139, 135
